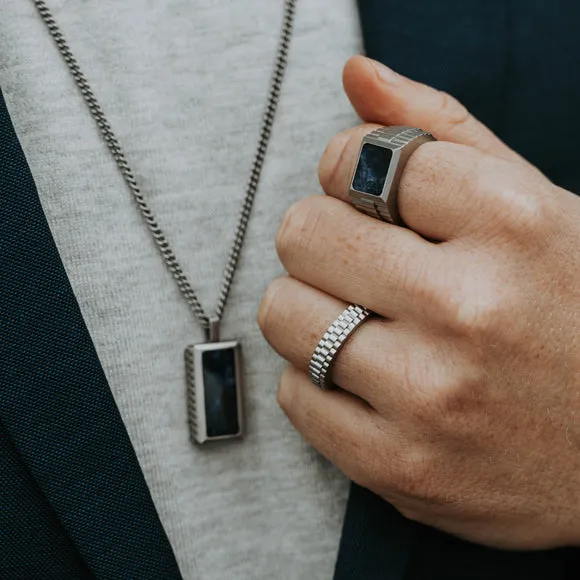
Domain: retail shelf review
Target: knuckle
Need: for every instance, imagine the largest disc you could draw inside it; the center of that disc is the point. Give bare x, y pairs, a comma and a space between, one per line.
517, 204
452, 111
525, 213
286, 231
297, 229
334, 157
285, 395
268, 311
472, 304
475, 317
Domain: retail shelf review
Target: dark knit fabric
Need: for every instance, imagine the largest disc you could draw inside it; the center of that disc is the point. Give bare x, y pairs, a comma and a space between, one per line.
73, 500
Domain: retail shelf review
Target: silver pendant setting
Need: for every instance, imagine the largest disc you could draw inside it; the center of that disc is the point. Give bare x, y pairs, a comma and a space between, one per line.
214, 391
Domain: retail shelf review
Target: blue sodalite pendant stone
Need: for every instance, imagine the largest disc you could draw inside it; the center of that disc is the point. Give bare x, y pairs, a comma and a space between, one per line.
372, 169
214, 390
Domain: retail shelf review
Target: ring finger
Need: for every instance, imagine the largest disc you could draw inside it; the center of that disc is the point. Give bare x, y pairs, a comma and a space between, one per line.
374, 363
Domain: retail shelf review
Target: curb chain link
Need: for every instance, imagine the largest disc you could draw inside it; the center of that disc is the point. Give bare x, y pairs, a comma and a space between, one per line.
158, 235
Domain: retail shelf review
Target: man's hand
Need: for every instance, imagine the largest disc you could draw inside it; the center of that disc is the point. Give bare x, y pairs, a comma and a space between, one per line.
460, 402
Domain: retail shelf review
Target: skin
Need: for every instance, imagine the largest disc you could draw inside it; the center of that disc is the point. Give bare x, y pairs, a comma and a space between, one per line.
459, 402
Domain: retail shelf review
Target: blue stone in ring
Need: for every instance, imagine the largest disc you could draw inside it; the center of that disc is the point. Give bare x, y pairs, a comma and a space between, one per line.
372, 169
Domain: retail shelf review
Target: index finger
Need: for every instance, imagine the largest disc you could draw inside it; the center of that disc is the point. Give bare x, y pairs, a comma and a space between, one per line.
447, 191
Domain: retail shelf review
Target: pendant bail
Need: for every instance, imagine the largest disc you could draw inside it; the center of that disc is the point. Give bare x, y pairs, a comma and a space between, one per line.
213, 334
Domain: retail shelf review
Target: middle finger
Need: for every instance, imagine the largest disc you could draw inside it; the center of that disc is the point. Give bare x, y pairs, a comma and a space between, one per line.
329, 245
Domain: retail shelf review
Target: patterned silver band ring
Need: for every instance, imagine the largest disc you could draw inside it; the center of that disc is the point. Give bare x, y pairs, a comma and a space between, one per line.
333, 340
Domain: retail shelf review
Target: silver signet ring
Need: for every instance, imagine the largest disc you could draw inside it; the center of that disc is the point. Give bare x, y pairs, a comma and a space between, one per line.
381, 162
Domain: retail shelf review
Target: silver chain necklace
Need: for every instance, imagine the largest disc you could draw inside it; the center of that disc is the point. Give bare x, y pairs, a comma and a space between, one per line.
213, 369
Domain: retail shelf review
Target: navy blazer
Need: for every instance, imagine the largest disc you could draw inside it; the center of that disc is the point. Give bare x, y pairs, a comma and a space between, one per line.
73, 500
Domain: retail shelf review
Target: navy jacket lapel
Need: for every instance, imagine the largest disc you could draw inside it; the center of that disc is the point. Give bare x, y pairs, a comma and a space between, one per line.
33, 542
68, 443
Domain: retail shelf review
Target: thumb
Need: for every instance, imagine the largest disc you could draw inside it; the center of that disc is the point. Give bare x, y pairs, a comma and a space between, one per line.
380, 95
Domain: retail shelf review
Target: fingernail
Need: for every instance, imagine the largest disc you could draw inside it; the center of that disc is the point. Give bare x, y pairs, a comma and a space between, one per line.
386, 74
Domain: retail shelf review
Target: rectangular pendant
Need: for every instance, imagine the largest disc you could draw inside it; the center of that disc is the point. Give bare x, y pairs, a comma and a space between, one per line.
214, 390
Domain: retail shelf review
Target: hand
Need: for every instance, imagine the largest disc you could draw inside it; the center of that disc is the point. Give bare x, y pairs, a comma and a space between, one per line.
459, 402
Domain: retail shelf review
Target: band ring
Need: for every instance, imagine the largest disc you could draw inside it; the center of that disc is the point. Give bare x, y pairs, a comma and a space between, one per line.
333, 340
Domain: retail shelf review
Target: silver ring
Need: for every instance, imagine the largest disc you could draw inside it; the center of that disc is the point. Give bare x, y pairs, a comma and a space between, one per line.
333, 340
381, 161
